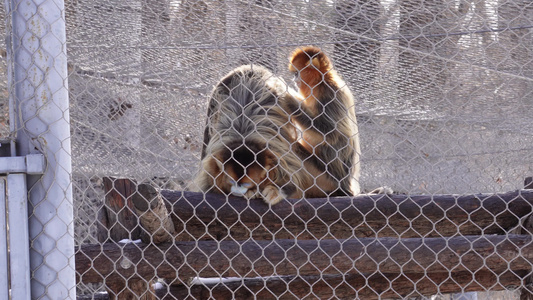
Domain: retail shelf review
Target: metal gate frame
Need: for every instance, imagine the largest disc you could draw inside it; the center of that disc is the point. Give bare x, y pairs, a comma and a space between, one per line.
14, 249
38, 184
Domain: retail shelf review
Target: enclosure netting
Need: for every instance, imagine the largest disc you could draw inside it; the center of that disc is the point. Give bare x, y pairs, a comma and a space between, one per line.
444, 89
4, 110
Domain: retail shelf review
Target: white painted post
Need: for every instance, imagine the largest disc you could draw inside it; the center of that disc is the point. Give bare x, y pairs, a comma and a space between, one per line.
19, 259
37, 78
4, 282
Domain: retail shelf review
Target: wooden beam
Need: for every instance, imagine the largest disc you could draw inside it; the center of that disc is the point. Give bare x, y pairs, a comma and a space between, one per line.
307, 257
119, 215
157, 226
526, 292
528, 183
351, 286
220, 217
121, 222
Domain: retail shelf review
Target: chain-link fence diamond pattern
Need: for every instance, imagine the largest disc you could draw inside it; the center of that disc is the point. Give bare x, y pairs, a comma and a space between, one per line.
442, 94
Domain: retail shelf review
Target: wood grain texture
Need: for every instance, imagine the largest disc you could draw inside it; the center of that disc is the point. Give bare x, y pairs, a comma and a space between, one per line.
350, 286
307, 257
220, 217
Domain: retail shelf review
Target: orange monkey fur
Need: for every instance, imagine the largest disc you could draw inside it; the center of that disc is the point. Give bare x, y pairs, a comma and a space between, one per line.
325, 113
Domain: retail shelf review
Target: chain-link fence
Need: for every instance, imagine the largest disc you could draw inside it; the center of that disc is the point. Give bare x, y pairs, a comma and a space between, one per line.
4, 110
443, 99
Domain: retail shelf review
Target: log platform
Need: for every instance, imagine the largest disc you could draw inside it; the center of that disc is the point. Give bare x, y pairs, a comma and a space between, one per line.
368, 246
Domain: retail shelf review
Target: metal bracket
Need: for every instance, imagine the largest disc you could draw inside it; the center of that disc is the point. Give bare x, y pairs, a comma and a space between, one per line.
32, 164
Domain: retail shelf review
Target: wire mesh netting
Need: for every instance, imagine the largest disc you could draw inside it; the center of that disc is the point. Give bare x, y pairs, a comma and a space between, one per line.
4, 110
443, 94
424, 74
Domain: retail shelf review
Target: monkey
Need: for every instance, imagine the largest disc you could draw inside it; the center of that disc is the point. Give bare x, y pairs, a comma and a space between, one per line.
248, 139
324, 111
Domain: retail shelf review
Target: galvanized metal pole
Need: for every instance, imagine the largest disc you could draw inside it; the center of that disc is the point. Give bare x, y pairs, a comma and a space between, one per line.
38, 82
19, 244
4, 270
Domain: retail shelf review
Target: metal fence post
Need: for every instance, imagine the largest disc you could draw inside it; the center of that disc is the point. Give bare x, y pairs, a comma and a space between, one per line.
4, 282
19, 260
37, 62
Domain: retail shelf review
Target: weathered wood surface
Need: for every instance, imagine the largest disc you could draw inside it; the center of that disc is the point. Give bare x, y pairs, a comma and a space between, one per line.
157, 226
306, 257
528, 183
351, 286
526, 292
387, 246
405, 216
119, 219
117, 216
132, 288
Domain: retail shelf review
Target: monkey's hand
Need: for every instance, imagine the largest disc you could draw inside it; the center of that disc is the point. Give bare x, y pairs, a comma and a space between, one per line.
251, 194
272, 194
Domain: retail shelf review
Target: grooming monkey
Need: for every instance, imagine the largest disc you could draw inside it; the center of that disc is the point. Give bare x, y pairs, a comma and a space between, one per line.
248, 138
325, 113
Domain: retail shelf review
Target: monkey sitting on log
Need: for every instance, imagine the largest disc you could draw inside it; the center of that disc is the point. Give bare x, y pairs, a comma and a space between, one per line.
324, 111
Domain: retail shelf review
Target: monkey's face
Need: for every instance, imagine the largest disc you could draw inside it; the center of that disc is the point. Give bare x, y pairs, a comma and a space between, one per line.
243, 179
243, 169
302, 66
306, 70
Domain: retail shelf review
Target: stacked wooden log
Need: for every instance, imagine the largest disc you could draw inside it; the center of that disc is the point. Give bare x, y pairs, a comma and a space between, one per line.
367, 247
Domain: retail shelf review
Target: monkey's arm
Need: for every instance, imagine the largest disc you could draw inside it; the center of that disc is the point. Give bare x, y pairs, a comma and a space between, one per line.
329, 109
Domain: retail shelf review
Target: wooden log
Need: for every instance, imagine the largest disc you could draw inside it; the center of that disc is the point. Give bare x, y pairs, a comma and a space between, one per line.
306, 257
404, 216
121, 220
351, 286
528, 183
526, 292
97, 296
157, 226
122, 223
132, 288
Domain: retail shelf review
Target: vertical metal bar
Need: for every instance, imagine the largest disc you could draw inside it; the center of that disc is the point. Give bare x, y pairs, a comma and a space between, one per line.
10, 79
19, 244
38, 60
19, 262
4, 281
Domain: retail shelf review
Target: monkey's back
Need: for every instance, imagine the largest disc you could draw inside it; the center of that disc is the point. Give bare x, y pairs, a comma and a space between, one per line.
244, 106
244, 109
327, 115
343, 148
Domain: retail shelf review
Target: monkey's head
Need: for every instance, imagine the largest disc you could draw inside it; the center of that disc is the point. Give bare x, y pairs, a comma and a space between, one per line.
309, 65
309, 59
243, 167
